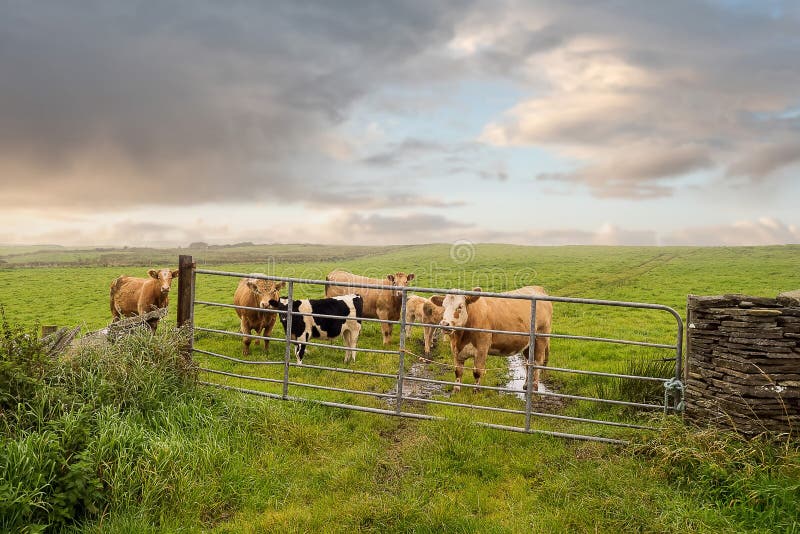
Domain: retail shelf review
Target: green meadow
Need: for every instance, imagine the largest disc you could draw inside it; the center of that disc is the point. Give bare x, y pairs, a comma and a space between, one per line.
181, 457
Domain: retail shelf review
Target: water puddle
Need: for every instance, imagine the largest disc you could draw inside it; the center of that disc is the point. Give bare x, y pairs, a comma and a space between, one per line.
516, 372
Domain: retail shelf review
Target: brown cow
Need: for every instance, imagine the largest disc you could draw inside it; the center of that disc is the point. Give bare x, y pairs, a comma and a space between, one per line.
495, 314
383, 304
422, 310
136, 296
256, 293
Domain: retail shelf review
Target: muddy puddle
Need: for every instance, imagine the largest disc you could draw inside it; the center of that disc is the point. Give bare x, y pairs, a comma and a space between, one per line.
516, 380
516, 373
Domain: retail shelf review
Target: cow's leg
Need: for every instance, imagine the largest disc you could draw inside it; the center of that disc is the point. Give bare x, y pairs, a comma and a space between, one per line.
540, 356
245, 329
409, 319
268, 326
427, 338
479, 368
265, 333
458, 368
346, 336
387, 332
526, 358
299, 352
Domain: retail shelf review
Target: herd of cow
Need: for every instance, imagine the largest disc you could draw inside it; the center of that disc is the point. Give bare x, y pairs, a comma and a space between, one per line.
339, 314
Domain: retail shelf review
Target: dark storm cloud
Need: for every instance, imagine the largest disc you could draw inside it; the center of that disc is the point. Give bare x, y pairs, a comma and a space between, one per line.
180, 102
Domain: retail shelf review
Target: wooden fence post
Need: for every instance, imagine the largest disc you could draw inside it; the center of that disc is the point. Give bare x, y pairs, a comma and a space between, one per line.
185, 290
186, 299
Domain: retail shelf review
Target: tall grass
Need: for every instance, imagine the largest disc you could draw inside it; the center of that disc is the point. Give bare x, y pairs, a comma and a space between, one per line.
754, 482
64, 457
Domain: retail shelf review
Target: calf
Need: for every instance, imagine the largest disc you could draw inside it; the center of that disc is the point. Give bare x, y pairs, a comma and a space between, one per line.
384, 304
512, 315
132, 296
256, 293
422, 310
305, 327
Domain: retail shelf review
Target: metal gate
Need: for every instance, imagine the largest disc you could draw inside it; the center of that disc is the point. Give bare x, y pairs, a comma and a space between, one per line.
395, 400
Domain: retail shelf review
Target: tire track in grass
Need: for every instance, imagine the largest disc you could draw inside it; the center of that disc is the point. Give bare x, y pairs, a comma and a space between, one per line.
616, 279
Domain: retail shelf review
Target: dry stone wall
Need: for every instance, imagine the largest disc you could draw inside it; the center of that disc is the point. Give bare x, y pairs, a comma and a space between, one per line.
743, 362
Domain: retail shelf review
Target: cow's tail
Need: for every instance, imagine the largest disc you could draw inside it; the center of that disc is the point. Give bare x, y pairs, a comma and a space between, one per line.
115, 285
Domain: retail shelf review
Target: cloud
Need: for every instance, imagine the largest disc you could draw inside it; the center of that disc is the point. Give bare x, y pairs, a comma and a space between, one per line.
640, 94
643, 172
764, 231
376, 228
763, 161
402, 151
121, 103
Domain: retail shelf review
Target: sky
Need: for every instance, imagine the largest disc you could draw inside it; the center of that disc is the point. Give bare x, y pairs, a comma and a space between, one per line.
357, 122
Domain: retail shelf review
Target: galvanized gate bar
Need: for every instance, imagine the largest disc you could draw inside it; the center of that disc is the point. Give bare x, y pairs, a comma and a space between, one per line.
600, 373
345, 370
540, 393
401, 353
538, 414
283, 312
288, 348
531, 353
237, 334
237, 375
292, 342
291, 383
237, 360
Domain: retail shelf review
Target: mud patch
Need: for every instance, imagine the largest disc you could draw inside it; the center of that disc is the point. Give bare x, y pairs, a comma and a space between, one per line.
414, 388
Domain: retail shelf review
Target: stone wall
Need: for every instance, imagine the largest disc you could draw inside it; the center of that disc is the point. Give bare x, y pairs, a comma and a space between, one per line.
743, 362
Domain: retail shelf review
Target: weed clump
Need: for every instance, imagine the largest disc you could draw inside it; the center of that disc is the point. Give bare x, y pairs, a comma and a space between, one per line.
52, 471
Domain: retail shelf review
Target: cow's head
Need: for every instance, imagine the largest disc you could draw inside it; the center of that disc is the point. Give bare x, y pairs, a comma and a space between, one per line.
282, 304
164, 276
399, 280
265, 290
432, 313
454, 308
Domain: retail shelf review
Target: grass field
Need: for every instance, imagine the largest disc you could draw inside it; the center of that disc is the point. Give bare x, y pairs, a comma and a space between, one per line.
308, 468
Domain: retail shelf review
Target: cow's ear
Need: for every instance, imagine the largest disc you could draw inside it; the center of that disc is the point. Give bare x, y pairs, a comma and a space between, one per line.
438, 299
279, 285
252, 284
276, 304
427, 308
175, 273
410, 277
390, 277
153, 273
472, 298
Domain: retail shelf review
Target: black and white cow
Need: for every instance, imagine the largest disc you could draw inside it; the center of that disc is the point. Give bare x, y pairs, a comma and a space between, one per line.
305, 327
